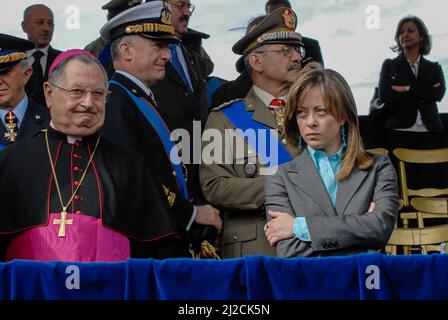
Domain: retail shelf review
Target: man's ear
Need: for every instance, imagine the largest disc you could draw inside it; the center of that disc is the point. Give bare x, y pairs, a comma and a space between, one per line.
24, 28
27, 74
125, 51
48, 91
256, 62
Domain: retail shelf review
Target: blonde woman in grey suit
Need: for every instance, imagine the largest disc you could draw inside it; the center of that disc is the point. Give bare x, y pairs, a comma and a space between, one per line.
334, 198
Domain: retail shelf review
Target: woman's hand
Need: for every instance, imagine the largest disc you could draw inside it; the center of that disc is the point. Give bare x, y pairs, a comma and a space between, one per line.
279, 228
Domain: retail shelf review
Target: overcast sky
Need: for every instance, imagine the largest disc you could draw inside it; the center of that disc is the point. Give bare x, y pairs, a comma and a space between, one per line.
355, 35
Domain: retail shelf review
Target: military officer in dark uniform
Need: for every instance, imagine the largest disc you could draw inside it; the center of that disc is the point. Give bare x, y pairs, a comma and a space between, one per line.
140, 38
21, 118
273, 53
182, 94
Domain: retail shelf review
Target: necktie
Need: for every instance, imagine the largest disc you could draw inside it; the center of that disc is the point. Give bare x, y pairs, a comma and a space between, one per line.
37, 67
11, 125
34, 87
178, 66
279, 107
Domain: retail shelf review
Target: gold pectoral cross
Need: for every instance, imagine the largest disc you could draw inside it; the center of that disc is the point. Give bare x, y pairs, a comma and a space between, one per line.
62, 222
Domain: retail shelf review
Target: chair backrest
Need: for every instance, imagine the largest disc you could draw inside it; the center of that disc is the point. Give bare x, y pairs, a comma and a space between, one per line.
430, 205
420, 237
428, 208
429, 156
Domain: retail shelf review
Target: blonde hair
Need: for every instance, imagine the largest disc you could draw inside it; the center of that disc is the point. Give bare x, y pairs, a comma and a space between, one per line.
339, 101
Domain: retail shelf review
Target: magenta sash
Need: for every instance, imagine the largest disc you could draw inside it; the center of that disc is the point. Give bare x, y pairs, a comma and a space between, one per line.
86, 240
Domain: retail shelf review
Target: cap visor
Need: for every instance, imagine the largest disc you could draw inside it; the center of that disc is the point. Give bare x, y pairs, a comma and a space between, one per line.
292, 41
4, 67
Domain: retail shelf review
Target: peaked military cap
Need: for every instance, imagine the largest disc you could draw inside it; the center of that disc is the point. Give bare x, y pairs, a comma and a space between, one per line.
278, 27
12, 51
150, 19
120, 4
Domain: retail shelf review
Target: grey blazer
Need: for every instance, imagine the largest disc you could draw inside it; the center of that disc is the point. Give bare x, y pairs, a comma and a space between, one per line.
298, 189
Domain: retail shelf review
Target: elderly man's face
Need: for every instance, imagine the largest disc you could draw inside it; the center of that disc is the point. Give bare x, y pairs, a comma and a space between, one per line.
279, 64
12, 86
71, 111
39, 26
180, 15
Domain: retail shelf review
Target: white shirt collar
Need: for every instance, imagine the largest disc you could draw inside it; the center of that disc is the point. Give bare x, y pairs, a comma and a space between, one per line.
44, 51
70, 139
266, 97
417, 62
415, 66
136, 81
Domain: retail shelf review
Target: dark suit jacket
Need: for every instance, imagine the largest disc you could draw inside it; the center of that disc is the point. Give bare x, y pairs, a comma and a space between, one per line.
36, 118
298, 189
422, 95
38, 96
181, 108
125, 125
238, 88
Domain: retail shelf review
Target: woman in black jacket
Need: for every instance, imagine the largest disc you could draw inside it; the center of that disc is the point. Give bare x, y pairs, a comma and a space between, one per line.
410, 86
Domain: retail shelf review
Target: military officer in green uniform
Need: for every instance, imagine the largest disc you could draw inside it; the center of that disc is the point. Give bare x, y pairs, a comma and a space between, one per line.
232, 175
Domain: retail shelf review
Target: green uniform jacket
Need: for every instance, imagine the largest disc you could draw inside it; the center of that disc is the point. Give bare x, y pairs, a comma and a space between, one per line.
226, 185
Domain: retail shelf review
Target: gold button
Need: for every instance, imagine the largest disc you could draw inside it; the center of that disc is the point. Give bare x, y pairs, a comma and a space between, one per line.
174, 173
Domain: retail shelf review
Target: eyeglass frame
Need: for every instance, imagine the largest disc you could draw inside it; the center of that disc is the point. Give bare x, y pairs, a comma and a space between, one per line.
84, 91
288, 50
181, 5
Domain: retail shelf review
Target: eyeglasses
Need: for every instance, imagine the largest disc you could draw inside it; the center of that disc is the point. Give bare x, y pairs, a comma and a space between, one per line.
77, 94
182, 5
288, 51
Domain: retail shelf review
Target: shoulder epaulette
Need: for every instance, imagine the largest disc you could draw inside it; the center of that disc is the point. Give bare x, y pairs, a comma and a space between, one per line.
226, 104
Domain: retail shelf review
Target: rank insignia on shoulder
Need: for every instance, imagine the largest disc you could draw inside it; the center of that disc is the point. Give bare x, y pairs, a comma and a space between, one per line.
226, 104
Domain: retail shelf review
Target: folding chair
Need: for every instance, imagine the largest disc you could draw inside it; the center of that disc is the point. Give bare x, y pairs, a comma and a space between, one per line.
406, 156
